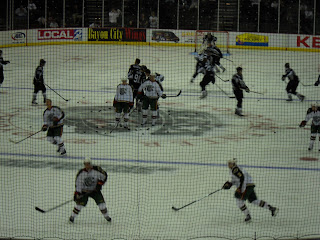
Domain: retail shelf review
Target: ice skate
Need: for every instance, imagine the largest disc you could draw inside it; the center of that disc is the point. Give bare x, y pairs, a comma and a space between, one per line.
64, 152
301, 98
34, 102
108, 218
192, 80
71, 219
274, 211
238, 112
204, 94
248, 218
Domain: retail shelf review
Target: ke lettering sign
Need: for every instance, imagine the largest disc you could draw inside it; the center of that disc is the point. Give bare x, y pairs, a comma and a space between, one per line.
308, 42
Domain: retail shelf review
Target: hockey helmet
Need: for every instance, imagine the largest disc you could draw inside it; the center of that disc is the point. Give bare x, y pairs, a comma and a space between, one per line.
287, 65
239, 69
124, 79
315, 104
42, 61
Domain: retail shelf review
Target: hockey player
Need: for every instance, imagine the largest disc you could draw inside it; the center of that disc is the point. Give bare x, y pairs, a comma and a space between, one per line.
53, 122
201, 61
245, 190
314, 114
38, 83
292, 84
89, 182
2, 62
237, 86
152, 93
123, 102
134, 75
208, 76
317, 82
216, 55
209, 39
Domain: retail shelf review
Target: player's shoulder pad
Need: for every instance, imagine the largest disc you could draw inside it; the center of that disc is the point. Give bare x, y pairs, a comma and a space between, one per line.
235, 170
309, 110
79, 172
99, 169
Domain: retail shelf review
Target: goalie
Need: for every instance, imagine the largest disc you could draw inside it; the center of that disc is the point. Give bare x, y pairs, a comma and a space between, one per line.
207, 39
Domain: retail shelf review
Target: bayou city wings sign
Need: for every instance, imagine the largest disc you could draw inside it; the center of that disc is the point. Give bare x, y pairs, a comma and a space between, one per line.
117, 34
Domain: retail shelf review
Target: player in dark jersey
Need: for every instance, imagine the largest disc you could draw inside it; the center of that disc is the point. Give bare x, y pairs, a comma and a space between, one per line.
216, 54
38, 83
317, 82
201, 61
209, 39
2, 62
136, 76
237, 86
208, 77
292, 84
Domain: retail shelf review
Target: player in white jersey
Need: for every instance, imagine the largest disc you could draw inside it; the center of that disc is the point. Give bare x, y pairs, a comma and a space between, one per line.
152, 92
53, 122
245, 190
2, 62
123, 101
89, 182
314, 114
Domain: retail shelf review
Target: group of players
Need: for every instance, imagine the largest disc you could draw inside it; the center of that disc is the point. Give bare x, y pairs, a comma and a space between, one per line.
145, 88
208, 63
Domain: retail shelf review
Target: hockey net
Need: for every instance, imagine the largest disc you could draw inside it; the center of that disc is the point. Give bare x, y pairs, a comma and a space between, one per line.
222, 40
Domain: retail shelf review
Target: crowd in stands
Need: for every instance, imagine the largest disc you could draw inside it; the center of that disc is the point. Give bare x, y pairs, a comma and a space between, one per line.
169, 16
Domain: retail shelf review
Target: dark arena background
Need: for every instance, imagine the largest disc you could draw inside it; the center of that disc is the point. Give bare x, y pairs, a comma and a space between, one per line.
165, 179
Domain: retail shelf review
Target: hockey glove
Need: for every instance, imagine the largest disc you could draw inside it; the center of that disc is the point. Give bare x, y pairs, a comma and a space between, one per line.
77, 196
317, 83
164, 96
114, 103
302, 124
247, 90
55, 121
283, 77
99, 185
44, 128
227, 185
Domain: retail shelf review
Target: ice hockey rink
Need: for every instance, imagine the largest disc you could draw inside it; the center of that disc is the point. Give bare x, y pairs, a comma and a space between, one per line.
182, 159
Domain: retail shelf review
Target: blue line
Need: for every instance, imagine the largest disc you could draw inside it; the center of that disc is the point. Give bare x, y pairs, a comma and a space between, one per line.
163, 162
183, 94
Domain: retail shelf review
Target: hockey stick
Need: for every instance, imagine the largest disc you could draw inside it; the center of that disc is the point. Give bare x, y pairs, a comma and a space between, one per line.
177, 209
227, 59
24, 138
306, 85
225, 92
51, 209
222, 79
175, 95
116, 126
56, 93
58, 206
256, 92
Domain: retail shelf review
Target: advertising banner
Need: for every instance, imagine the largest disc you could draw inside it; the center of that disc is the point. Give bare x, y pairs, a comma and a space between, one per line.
117, 34
308, 42
60, 34
18, 36
249, 39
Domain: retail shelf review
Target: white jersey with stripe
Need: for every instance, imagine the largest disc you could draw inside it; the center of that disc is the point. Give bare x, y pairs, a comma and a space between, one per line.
50, 114
314, 115
151, 89
240, 178
86, 181
124, 93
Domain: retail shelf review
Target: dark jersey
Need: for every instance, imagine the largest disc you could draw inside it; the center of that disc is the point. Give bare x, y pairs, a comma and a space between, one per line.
38, 76
238, 83
215, 53
2, 62
291, 75
135, 76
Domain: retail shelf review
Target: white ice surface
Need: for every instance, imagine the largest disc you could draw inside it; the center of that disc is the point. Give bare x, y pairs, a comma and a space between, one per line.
149, 173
